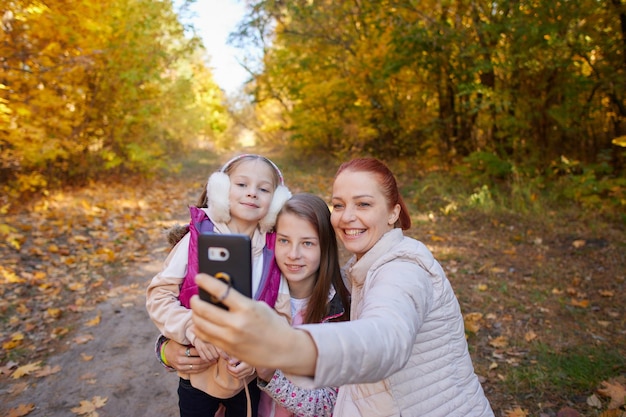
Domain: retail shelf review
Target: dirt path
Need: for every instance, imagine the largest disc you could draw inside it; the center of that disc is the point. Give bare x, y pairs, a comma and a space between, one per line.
122, 368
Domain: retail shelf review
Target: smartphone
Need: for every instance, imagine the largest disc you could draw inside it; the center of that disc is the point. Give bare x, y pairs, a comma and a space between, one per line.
228, 258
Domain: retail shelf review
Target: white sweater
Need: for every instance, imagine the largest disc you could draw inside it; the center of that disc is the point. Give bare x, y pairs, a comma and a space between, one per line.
404, 351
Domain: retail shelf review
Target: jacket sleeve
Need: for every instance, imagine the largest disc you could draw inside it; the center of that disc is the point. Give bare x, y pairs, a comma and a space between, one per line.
302, 402
171, 318
380, 340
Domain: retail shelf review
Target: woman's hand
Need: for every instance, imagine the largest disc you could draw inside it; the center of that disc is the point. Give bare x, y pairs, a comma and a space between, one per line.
185, 359
251, 330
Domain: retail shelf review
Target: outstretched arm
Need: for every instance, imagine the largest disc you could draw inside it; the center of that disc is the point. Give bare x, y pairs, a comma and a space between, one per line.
252, 331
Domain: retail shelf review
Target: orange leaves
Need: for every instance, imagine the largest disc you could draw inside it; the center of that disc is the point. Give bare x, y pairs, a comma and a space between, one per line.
472, 322
15, 341
21, 410
88, 408
615, 391
516, 412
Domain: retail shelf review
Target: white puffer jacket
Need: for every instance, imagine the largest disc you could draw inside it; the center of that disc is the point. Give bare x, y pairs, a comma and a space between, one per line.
404, 352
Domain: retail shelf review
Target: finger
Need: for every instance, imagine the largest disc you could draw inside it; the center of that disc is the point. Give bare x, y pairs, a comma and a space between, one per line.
193, 352
227, 295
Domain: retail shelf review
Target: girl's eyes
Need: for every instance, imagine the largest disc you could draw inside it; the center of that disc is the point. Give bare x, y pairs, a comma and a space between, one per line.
363, 204
282, 241
307, 244
261, 189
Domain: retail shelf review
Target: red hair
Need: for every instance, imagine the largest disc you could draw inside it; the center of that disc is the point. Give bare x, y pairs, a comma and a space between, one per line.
386, 181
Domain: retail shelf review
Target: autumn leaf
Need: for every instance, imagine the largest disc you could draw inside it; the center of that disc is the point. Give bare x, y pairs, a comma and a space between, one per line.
21, 410
55, 313
530, 336
81, 340
47, 370
26, 369
16, 340
580, 303
472, 322
94, 322
517, 412
499, 342
615, 391
613, 413
89, 408
85, 357
594, 401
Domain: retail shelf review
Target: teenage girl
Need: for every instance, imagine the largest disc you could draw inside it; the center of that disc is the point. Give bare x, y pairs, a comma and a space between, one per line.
306, 253
243, 197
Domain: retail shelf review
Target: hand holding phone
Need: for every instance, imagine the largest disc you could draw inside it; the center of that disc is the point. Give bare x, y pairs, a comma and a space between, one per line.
227, 258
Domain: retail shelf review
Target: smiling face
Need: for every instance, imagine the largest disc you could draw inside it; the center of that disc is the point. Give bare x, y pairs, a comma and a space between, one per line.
298, 253
361, 213
252, 187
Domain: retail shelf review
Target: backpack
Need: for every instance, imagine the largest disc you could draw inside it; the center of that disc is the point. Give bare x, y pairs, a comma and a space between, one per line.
270, 277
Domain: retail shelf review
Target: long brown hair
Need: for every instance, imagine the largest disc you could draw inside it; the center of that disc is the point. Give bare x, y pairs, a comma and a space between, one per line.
387, 183
314, 210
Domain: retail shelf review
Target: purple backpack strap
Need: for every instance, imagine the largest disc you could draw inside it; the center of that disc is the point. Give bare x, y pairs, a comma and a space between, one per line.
200, 223
271, 282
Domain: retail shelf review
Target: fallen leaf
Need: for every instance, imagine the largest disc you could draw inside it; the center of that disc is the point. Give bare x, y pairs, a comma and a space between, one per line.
606, 293
472, 322
530, 336
18, 388
613, 413
516, 412
89, 407
11, 344
615, 391
594, 401
55, 313
580, 303
81, 340
85, 357
21, 410
567, 412
47, 370
499, 342
94, 322
26, 369
579, 243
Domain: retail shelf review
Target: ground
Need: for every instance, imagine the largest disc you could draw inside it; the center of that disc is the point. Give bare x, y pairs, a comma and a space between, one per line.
77, 339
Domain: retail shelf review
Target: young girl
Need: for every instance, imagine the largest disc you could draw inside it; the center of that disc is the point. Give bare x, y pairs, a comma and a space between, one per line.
244, 197
306, 253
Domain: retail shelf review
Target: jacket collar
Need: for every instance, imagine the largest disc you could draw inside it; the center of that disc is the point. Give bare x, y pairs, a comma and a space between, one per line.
357, 270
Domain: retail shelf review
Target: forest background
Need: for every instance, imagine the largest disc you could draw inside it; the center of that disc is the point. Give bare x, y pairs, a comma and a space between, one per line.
485, 110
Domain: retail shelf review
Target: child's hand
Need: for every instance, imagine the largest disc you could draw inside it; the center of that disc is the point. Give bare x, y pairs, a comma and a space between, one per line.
240, 369
206, 350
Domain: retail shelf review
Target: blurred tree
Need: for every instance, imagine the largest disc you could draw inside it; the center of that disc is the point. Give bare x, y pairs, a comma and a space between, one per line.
90, 87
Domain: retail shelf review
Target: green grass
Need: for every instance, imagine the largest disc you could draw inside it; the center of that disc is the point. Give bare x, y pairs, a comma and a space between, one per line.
570, 372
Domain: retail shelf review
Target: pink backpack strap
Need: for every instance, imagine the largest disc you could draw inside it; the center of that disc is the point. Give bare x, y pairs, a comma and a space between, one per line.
271, 280
200, 223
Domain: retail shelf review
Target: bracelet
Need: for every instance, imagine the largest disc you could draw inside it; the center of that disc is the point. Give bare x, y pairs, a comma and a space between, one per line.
163, 354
